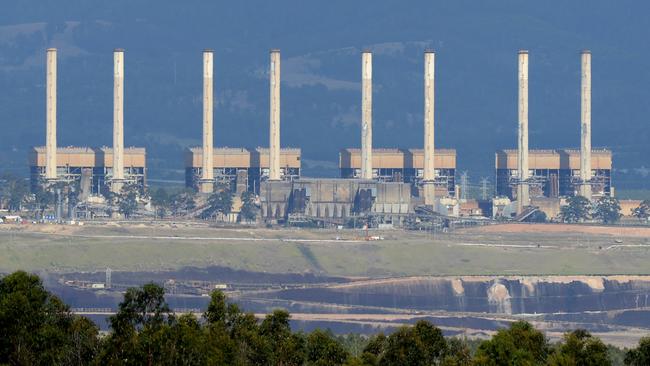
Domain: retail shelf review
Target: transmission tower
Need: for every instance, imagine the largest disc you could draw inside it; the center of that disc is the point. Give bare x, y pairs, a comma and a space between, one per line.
463, 185
484, 189
59, 208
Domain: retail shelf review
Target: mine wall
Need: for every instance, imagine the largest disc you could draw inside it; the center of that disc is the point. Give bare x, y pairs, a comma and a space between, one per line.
523, 295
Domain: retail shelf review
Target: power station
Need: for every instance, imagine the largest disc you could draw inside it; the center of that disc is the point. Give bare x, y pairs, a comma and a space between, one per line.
385, 183
554, 173
539, 178
92, 168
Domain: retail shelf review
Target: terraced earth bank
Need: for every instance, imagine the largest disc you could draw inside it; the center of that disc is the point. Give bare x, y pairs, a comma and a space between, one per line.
614, 307
483, 294
617, 308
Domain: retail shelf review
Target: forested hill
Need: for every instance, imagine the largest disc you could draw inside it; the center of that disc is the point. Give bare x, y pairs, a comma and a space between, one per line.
476, 44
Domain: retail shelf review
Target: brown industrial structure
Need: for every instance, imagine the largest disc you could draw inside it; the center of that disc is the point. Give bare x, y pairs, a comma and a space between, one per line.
553, 173
240, 166
403, 165
92, 168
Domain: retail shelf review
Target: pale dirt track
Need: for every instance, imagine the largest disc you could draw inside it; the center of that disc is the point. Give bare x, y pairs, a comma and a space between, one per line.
614, 231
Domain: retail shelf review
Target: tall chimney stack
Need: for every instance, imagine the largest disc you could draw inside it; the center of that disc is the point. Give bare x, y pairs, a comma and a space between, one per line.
207, 176
118, 120
585, 141
523, 192
429, 128
274, 143
50, 125
366, 115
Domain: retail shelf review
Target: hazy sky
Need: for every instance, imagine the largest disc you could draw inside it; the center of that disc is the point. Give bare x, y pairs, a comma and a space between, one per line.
476, 44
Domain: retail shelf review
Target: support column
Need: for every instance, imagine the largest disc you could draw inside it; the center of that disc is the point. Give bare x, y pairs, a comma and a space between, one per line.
118, 120
50, 124
523, 189
366, 115
274, 135
207, 175
429, 128
585, 116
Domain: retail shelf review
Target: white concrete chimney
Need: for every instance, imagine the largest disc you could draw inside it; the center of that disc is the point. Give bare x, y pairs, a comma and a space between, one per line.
274, 135
207, 175
585, 141
523, 191
366, 115
118, 120
429, 128
50, 124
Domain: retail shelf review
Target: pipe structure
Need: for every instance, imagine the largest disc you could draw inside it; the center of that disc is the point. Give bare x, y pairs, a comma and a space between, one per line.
274, 128
523, 189
207, 173
429, 128
118, 120
366, 115
585, 116
50, 123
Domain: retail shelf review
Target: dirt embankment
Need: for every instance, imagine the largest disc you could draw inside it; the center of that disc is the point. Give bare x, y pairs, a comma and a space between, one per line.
618, 231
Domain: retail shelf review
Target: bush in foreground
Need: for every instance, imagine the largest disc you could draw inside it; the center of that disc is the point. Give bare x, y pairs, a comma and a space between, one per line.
36, 328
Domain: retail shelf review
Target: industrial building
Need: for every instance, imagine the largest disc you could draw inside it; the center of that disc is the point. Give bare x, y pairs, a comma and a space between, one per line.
385, 184
553, 173
239, 167
92, 168
403, 165
328, 199
335, 200
529, 176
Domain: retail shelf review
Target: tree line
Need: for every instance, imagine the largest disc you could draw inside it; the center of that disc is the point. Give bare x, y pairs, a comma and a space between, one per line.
15, 196
606, 210
37, 328
219, 203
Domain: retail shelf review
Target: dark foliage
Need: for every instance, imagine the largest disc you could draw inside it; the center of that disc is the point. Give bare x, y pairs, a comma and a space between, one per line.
607, 210
248, 208
36, 328
577, 210
13, 192
639, 356
219, 202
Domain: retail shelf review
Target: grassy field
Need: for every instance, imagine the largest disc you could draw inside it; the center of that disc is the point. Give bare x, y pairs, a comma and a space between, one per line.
494, 250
